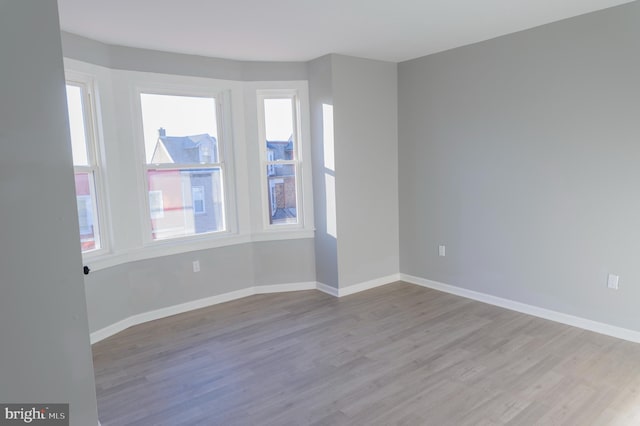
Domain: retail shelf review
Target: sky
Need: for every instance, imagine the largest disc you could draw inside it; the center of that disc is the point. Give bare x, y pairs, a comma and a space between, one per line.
187, 116
278, 117
76, 125
178, 115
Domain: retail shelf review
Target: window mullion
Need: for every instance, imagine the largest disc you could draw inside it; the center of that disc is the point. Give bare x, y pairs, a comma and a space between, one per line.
84, 169
173, 166
282, 162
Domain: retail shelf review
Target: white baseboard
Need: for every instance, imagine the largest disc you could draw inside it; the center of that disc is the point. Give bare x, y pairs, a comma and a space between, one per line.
357, 288
367, 285
280, 288
586, 324
327, 289
119, 326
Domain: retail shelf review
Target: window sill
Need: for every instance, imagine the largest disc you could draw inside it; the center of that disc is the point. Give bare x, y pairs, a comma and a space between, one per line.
171, 247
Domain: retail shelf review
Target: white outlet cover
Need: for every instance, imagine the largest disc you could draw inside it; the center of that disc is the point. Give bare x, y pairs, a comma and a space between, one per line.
441, 251
612, 281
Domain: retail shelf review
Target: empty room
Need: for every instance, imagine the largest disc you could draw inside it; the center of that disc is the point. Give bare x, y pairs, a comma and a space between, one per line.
319, 213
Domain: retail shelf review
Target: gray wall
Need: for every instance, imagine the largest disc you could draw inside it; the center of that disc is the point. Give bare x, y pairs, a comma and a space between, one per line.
281, 262
521, 155
133, 59
366, 154
45, 353
326, 245
364, 168
119, 292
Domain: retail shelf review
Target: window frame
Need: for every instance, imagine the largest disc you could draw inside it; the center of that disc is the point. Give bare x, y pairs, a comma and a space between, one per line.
266, 164
225, 160
95, 167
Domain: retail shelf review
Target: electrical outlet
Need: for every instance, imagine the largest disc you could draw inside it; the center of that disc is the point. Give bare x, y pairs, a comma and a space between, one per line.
196, 266
612, 281
441, 251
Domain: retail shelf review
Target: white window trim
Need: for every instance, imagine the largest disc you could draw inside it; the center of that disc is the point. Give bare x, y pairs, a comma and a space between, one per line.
225, 154
95, 158
297, 162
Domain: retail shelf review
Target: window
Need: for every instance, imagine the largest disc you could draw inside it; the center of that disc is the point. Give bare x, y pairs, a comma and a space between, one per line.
184, 165
279, 137
81, 125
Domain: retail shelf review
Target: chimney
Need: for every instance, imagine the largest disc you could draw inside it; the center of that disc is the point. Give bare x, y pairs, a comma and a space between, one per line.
162, 132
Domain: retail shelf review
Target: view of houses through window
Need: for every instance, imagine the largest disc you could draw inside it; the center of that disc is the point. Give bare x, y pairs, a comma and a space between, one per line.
281, 160
184, 169
82, 146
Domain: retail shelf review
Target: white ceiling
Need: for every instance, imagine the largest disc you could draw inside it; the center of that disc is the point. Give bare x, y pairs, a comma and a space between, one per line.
299, 30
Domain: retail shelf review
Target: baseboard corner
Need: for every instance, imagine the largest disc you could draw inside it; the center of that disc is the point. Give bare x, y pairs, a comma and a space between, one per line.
368, 285
332, 291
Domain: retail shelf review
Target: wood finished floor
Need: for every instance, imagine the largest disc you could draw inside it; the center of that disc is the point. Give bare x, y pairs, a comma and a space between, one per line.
398, 354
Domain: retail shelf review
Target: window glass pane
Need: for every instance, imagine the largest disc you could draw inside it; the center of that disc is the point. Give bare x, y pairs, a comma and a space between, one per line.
185, 202
156, 204
197, 194
278, 123
281, 182
87, 212
77, 126
179, 129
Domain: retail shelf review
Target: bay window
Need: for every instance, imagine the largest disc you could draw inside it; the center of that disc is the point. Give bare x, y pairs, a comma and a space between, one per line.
194, 163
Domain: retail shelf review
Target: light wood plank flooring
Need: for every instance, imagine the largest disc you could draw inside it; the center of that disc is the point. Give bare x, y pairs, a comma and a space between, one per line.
398, 354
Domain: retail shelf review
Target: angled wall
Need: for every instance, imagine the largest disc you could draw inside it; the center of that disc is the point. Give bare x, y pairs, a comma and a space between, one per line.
366, 156
355, 169
324, 171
